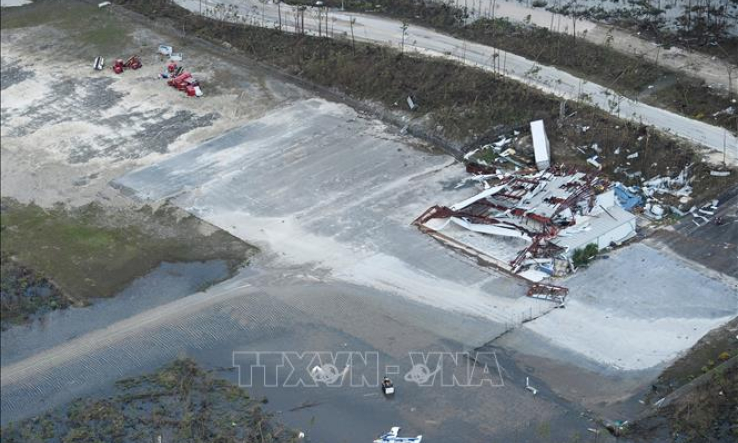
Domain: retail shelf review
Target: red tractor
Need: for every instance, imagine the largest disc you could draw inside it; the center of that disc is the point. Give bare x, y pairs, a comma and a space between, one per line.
132, 63
118, 66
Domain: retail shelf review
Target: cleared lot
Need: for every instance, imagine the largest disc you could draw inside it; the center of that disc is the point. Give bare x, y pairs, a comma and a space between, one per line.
329, 195
315, 186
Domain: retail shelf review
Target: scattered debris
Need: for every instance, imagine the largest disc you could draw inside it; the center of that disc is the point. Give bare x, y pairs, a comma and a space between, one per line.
626, 198
720, 173
103, 4
529, 387
531, 224
593, 161
392, 437
556, 294
411, 103
616, 428
165, 50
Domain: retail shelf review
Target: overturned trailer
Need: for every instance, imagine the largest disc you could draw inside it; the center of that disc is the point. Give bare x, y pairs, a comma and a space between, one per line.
530, 223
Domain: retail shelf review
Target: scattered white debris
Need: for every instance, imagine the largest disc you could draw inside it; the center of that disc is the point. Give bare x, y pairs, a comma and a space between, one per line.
730, 110
103, 4
529, 387
469, 154
165, 50
720, 173
632, 156
593, 161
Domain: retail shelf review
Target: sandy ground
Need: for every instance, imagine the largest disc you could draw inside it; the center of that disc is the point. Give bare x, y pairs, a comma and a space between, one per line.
387, 31
67, 130
329, 196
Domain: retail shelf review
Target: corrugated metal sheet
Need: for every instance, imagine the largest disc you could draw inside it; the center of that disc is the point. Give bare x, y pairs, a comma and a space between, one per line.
613, 225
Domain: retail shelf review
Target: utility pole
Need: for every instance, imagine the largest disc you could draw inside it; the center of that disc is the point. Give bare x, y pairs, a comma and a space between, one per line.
353, 42
404, 33
279, 13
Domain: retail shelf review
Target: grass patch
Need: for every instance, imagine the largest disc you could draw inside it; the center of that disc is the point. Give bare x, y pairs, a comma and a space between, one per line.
38, 13
181, 402
92, 252
96, 30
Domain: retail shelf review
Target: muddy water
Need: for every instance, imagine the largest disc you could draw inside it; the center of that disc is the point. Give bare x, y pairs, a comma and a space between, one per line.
164, 284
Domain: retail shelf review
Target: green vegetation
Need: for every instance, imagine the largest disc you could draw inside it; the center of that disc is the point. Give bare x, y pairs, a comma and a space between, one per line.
582, 257
94, 29
181, 402
93, 252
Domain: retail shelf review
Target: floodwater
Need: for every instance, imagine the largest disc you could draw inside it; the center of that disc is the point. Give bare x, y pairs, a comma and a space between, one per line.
162, 285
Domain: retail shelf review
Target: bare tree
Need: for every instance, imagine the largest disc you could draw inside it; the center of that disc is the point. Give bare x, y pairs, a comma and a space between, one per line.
263, 6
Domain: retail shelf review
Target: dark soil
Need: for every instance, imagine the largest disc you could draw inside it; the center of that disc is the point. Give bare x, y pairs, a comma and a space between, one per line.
24, 293
181, 403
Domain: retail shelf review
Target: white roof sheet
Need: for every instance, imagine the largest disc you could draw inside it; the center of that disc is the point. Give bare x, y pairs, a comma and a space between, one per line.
599, 225
540, 141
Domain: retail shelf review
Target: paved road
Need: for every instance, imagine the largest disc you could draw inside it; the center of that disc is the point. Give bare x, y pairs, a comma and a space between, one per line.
382, 30
711, 70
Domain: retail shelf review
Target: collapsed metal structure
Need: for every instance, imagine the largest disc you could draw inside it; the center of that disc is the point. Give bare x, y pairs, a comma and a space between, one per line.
530, 206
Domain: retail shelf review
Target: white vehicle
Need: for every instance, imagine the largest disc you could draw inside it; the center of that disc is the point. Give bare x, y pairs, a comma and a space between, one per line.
387, 387
391, 437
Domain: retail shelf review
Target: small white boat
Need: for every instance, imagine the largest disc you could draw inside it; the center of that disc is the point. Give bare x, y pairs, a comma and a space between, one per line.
391, 437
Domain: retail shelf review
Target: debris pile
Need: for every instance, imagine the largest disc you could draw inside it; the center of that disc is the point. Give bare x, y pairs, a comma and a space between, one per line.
531, 223
533, 219
175, 74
